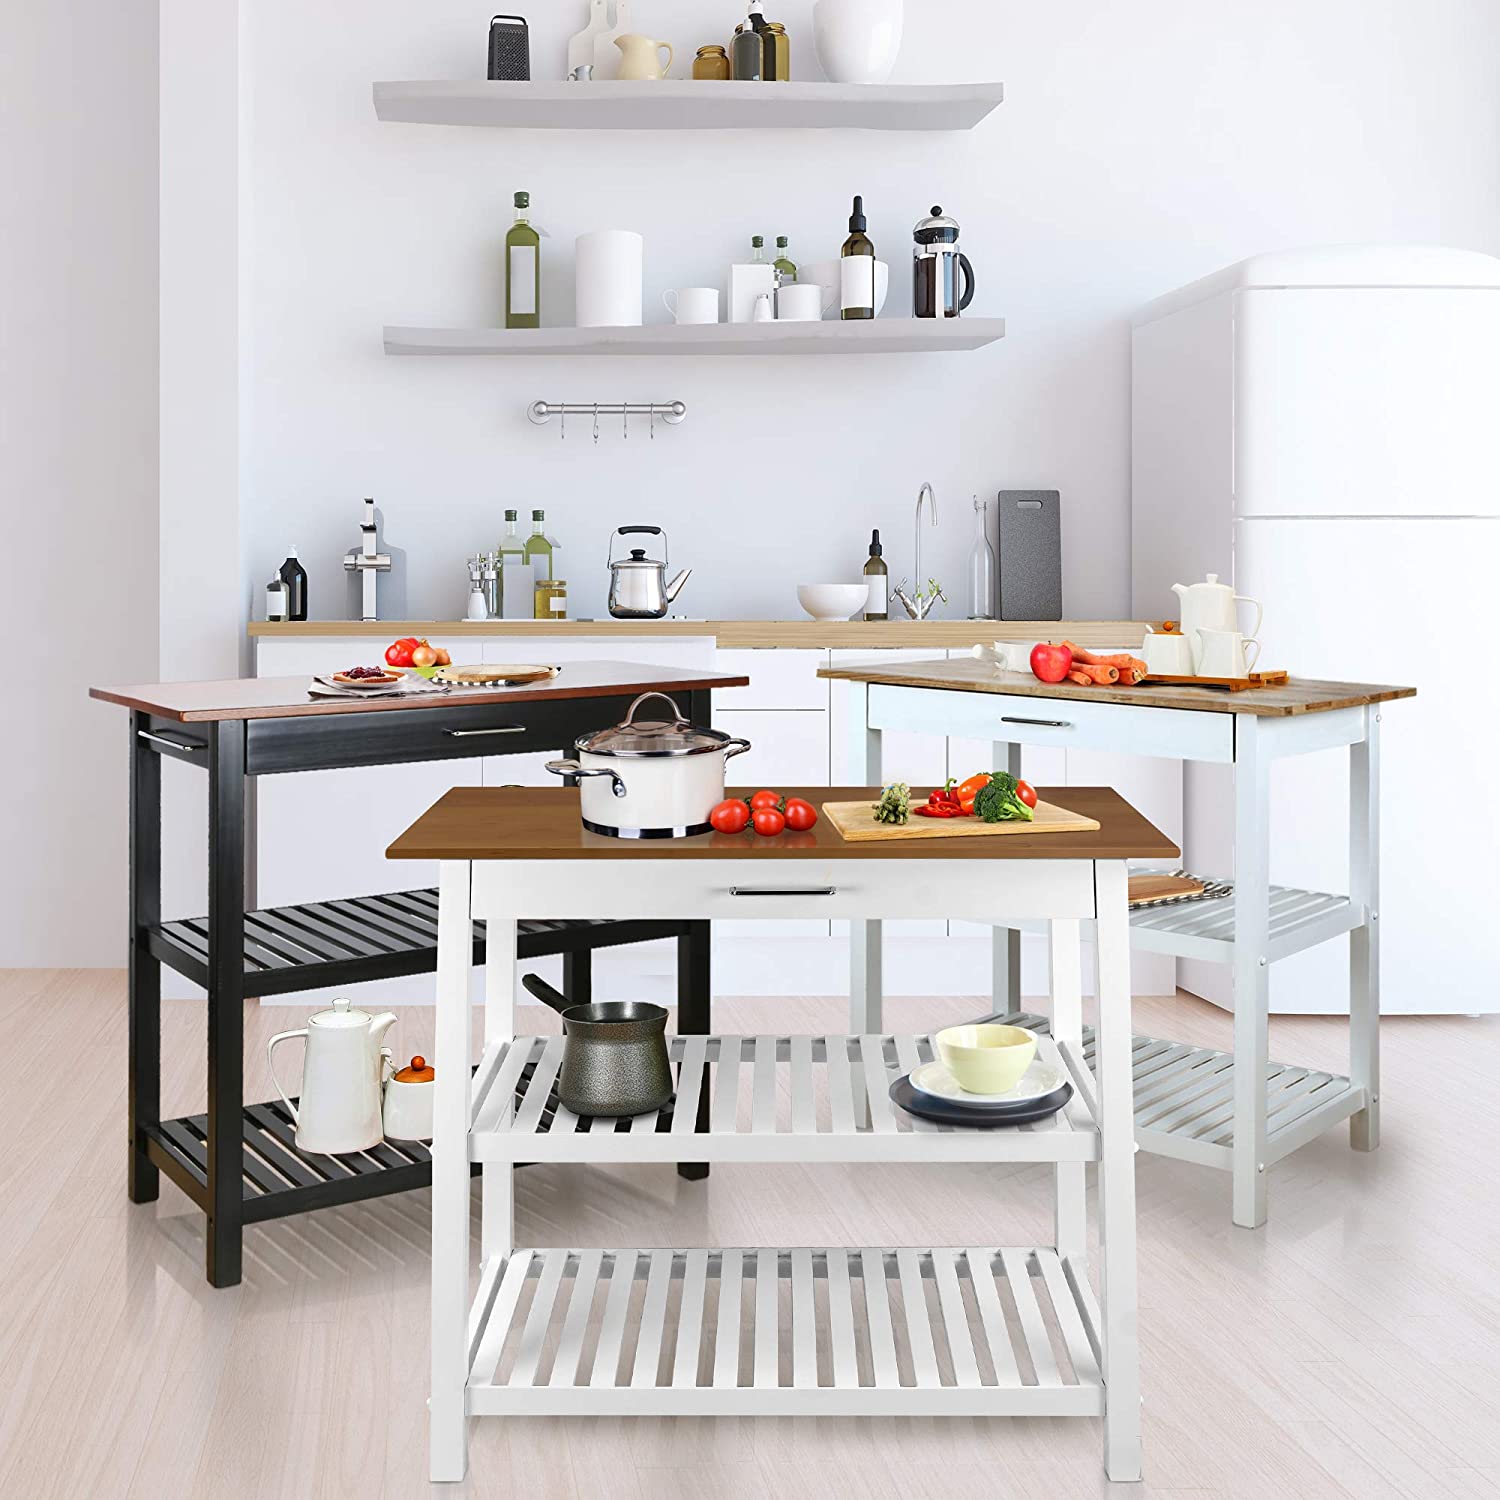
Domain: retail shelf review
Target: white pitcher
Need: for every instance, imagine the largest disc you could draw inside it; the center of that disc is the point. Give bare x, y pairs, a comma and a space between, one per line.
1210, 605
343, 1070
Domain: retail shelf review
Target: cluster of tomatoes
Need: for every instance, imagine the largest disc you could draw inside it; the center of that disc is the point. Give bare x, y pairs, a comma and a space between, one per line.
412, 651
769, 813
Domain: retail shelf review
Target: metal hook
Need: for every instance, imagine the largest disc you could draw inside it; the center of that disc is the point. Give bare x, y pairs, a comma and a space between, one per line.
625, 419
562, 426
653, 421
596, 424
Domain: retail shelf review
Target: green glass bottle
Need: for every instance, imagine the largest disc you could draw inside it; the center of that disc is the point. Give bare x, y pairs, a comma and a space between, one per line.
539, 548
785, 265
523, 270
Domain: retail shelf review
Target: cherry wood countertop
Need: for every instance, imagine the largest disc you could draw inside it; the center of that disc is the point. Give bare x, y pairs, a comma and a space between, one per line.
522, 823
1299, 696
288, 697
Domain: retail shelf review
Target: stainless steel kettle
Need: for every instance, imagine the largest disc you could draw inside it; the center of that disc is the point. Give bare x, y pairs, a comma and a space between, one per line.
638, 587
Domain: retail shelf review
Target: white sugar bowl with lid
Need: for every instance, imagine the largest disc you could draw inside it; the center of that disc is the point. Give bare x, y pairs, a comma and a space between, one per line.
408, 1102
650, 778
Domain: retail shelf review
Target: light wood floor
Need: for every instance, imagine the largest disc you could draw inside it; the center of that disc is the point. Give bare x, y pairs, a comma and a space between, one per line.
1352, 1348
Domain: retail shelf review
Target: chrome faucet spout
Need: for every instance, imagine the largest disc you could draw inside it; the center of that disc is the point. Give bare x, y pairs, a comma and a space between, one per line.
926, 493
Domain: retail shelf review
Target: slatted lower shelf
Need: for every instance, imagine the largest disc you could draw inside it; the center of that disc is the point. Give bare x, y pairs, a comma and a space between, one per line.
390, 936
1184, 1098
759, 1099
961, 1332
1205, 929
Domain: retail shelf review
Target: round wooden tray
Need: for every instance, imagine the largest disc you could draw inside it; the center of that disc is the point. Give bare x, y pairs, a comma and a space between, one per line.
493, 676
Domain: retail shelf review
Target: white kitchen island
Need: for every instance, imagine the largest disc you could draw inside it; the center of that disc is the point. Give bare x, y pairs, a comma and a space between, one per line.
1238, 1111
514, 1344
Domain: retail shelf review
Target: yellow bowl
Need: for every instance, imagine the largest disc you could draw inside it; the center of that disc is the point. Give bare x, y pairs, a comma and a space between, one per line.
986, 1059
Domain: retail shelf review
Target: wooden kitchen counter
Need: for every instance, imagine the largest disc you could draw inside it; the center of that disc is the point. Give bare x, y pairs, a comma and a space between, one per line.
524, 823
288, 697
1298, 696
744, 635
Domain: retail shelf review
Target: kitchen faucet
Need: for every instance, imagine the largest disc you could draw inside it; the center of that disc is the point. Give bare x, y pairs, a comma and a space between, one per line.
919, 607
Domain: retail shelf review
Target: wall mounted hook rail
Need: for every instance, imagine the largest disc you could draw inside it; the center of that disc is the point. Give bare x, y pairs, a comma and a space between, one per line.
671, 412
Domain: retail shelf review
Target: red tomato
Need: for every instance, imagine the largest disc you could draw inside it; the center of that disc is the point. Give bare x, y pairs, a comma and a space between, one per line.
769, 822
765, 799
730, 817
1051, 663
399, 654
800, 815
1026, 792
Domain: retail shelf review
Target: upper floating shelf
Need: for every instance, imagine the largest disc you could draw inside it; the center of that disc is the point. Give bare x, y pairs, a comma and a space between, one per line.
683, 104
880, 336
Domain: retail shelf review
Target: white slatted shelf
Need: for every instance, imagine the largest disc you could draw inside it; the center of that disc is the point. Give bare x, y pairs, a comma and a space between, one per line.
1205, 929
770, 1099
960, 1332
1184, 1098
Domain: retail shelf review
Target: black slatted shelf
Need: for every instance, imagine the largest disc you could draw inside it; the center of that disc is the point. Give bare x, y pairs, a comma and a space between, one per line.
323, 943
278, 1179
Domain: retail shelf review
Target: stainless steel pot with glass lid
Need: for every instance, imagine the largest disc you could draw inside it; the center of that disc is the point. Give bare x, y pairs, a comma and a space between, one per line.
650, 778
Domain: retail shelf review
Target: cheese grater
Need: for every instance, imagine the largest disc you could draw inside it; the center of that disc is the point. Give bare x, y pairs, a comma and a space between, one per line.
510, 48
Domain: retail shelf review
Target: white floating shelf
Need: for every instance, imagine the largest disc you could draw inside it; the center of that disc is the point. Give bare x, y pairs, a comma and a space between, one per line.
683, 104
879, 336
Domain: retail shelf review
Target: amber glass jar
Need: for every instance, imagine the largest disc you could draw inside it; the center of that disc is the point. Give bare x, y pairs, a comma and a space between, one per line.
551, 599
712, 64
778, 53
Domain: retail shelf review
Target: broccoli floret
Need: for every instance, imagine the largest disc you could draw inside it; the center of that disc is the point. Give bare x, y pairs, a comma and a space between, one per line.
998, 803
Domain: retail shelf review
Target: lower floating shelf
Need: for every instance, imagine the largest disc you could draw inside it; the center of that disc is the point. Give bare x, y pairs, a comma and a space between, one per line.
953, 1332
1184, 1098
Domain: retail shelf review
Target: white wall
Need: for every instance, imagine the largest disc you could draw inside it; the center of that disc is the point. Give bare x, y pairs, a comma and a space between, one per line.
1141, 145
78, 241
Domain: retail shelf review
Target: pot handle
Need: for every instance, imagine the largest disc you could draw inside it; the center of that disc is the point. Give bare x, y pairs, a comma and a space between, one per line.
677, 717
735, 747
572, 768
535, 985
282, 1036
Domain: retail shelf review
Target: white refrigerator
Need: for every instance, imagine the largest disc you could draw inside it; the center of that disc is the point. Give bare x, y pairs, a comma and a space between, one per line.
1322, 428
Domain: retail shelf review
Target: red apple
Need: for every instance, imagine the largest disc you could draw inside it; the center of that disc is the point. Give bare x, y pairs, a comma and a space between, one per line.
1051, 663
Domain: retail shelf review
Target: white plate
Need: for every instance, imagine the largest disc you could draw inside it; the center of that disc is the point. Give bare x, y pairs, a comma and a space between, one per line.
934, 1078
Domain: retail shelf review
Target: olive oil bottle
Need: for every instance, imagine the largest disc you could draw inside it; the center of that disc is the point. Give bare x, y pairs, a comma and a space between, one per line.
523, 270
539, 547
786, 267
857, 269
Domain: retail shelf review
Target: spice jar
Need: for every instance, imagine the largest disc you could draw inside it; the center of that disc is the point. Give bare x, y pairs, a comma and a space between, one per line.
778, 53
551, 599
711, 64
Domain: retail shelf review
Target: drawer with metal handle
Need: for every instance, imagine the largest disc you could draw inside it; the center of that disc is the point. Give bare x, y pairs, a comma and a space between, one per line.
447, 731
1064, 723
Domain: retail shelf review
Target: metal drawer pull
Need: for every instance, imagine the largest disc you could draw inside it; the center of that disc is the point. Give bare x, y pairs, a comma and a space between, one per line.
474, 734
1040, 723
821, 890
190, 747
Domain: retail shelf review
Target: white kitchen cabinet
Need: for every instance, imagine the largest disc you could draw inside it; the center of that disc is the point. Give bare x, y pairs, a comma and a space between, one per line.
778, 679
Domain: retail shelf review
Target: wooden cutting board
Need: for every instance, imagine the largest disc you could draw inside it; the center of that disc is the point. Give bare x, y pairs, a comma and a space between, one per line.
493, 676
855, 821
1144, 888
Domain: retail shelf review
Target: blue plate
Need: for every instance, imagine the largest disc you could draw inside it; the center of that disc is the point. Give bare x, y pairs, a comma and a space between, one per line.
930, 1107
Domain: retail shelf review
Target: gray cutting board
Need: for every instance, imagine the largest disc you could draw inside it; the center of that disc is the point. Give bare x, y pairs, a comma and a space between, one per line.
1030, 555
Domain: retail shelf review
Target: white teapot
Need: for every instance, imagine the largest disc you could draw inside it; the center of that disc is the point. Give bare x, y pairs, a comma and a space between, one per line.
1210, 605
343, 1070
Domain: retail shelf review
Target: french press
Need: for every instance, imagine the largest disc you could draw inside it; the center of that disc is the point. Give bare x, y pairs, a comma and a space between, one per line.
936, 270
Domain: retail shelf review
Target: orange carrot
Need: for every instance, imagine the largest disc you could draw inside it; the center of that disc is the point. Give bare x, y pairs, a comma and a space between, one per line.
1076, 675
1120, 659
1104, 676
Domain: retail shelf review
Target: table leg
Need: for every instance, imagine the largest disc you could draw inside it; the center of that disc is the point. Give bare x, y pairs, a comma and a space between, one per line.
226, 999
144, 1047
1117, 1237
1066, 939
1364, 942
1251, 971
1005, 942
866, 939
497, 1190
448, 1455
694, 1014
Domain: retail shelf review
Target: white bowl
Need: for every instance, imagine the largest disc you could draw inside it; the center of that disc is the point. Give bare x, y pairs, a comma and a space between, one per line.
833, 601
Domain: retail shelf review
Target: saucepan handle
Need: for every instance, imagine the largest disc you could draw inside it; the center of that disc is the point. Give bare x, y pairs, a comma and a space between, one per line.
735, 747
677, 717
535, 985
572, 768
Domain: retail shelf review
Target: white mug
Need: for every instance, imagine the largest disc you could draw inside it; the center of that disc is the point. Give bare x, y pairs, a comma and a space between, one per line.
1226, 653
799, 304
608, 275
1168, 655
693, 304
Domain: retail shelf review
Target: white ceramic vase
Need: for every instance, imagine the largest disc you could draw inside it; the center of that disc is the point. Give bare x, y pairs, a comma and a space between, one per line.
858, 40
